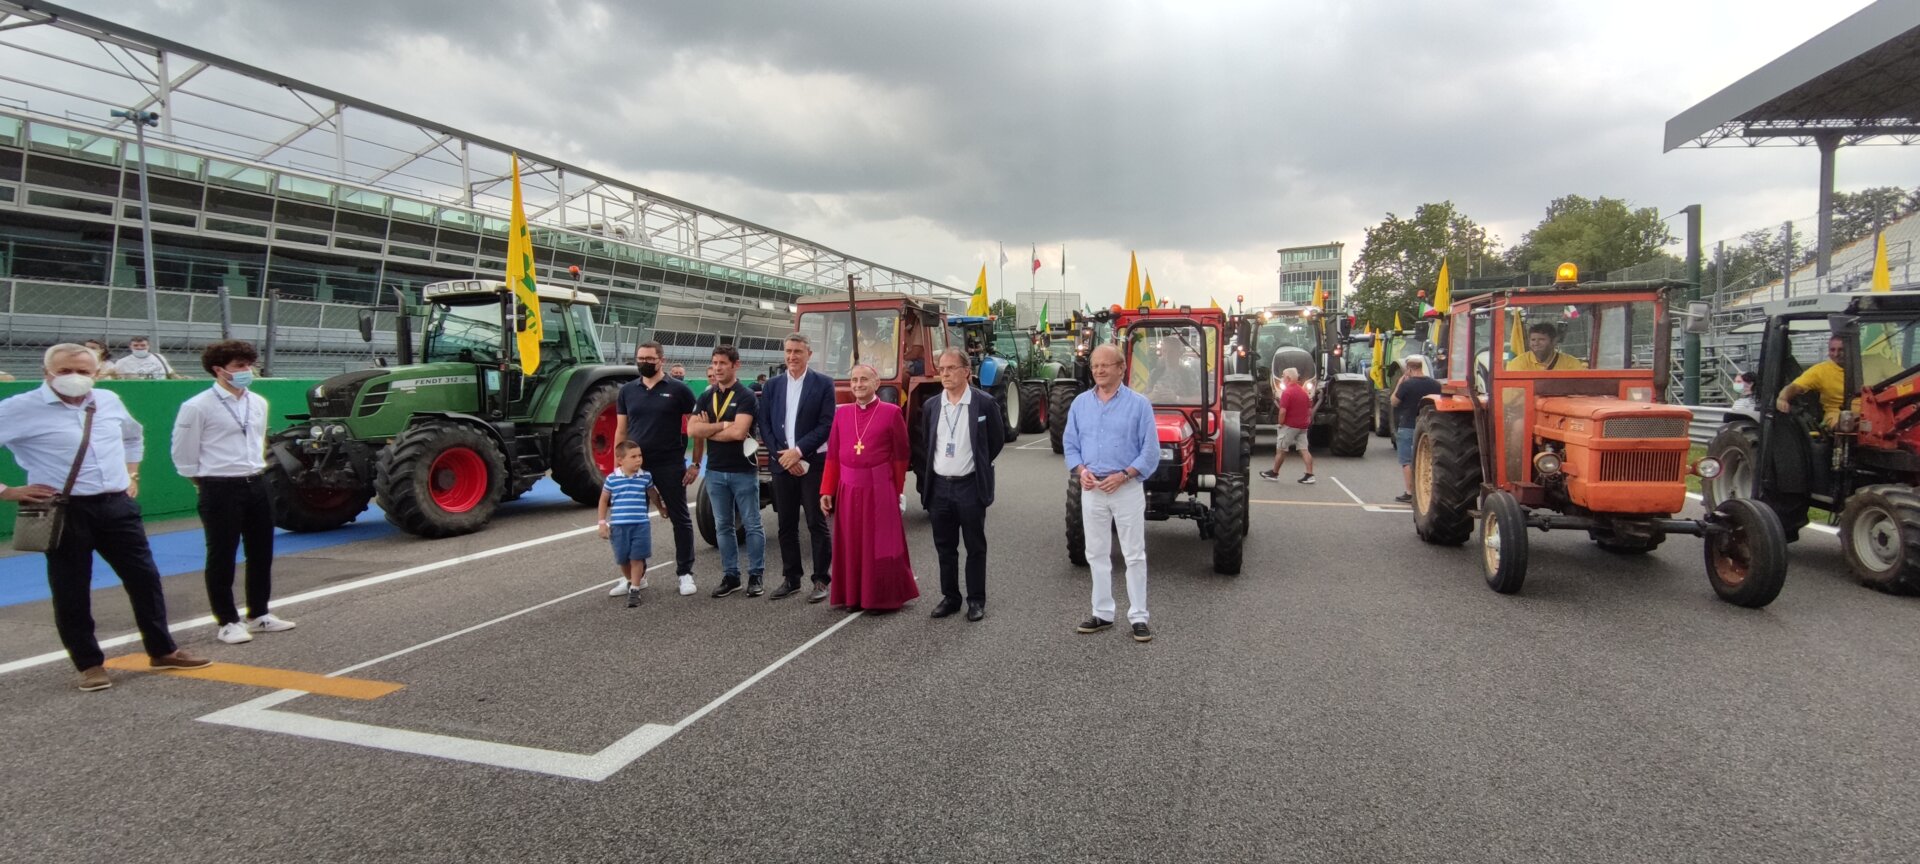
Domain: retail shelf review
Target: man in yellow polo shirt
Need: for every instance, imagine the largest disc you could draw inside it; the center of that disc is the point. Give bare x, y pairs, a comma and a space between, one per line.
1827, 378
1543, 353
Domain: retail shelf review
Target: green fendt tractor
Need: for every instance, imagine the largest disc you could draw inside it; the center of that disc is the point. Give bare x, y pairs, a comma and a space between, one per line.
442, 442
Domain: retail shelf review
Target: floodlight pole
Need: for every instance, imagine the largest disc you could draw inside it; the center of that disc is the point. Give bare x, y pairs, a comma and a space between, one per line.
141, 120
1828, 144
1690, 340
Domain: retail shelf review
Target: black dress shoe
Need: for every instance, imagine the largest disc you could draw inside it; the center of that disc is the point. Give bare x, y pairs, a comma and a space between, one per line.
754, 588
1141, 633
727, 586
784, 589
819, 593
1093, 624
947, 606
976, 611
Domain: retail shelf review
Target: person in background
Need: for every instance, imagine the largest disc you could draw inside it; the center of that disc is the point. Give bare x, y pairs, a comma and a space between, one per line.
860, 487
653, 413
100, 357
220, 443
1296, 419
1742, 388
797, 416
1111, 446
759, 383
623, 517
958, 491
1412, 392
46, 429
142, 363
678, 372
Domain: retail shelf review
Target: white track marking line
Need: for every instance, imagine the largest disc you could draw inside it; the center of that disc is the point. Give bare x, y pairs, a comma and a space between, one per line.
257, 714
330, 590
1370, 508
1826, 528
1343, 488
1035, 445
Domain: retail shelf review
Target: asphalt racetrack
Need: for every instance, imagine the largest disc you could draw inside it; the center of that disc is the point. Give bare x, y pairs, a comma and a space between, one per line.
1355, 695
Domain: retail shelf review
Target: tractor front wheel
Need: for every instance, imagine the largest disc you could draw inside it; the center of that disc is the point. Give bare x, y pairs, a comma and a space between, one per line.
1503, 542
583, 449
1446, 476
1003, 396
1383, 413
1747, 562
1076, 525
1737, 447
311, 508
440, 478
1060, 396
1880, 534
1033, 406
1240, 396
1352, 419
1229, 522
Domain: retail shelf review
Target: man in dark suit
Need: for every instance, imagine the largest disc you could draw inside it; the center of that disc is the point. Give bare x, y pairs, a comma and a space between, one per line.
957, 488
796, 415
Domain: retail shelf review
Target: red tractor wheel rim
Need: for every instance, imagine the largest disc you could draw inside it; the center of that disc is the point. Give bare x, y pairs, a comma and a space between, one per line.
600, 440
458, 479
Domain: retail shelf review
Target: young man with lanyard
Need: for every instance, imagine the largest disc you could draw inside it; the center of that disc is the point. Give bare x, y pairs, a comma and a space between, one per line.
653, 414
724, 418
220, 443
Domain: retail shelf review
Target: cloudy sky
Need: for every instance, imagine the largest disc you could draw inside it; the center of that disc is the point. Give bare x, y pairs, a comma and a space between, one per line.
1205, 135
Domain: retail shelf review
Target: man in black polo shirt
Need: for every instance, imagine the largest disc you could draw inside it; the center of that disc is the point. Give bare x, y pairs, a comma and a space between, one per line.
724, 418
653, 414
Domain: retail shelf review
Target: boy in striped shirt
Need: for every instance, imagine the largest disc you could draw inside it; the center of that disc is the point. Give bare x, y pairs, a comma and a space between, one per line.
623, 517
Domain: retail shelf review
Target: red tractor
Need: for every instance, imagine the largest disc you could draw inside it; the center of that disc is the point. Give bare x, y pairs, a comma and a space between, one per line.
1860, 462
1553, 419
1175, 357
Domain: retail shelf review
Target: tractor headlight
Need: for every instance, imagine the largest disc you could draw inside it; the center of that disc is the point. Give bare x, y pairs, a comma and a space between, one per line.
337, 430
317, 433
1166, 454
1707, 468
1546, 463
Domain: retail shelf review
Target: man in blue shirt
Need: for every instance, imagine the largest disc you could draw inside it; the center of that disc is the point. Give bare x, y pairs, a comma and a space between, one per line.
1111, 446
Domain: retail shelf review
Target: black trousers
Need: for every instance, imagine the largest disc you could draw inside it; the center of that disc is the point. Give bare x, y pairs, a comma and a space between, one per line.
232, 511
673, 498
110, 525
792, 496
958, 513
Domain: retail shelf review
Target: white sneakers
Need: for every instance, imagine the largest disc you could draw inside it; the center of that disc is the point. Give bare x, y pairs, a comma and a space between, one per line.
268, 624
686, 584
238, 633
619, 588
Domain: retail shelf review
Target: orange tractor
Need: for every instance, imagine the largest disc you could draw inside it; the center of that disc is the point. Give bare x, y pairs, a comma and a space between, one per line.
1553, 418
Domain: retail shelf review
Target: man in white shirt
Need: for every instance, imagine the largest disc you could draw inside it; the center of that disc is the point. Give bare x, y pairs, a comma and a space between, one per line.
796, 415
45, 428
220, 443
141, 363
967, 437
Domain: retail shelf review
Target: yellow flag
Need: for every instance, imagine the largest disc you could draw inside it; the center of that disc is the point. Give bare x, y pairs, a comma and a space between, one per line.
1212, 302
1396, 323
1379, 370
526, 294
978, 305
1132, 299
1443, 293
1319, 295
1882, 279
1518, 332
1146, 294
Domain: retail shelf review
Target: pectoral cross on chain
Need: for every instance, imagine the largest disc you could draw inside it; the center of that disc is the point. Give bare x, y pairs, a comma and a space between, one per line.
859, 446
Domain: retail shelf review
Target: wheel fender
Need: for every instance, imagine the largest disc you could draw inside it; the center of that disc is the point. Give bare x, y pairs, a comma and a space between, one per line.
991, 369
489, 427
1450, 403
583, 379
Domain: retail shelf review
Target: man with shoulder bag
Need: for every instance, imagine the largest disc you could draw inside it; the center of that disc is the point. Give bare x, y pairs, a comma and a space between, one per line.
81, 451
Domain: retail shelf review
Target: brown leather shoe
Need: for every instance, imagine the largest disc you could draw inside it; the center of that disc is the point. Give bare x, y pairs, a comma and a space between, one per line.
180, 660
94, 679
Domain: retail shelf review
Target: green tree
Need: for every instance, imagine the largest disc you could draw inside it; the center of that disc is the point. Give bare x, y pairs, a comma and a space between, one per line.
1761, 256
1400, 260
1599, 235
1857, 214
1005, 309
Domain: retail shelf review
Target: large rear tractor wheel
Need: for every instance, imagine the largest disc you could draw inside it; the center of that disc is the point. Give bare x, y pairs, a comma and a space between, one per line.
1747, 563
1737, 446
1240, 396
705, 522
1230, 522
583, 449
1503, 542
1003, 396
1446, 477
314, 508
1033, 406
1383, 413
440, 478
1076, 525
1060, 396
1880, 534
1352, 420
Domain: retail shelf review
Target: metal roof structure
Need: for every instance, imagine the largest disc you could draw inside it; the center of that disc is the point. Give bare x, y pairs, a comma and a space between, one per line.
1857, 82
68, 65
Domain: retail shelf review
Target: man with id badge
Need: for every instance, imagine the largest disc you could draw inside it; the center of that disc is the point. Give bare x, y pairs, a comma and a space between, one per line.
723, 418
958, 490
220, 443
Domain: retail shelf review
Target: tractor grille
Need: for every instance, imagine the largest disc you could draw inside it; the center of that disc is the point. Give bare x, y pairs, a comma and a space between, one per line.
1645, 427
1631, 467
376, 398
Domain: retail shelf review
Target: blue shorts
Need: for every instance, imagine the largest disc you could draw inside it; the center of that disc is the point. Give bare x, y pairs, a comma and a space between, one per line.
632, 543
1403, 441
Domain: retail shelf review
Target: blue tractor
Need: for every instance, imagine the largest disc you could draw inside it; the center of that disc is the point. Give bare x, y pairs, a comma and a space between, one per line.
992, 372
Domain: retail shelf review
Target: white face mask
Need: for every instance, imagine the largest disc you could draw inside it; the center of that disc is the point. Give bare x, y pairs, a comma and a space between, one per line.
72, 386
1739, 386
140, 353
